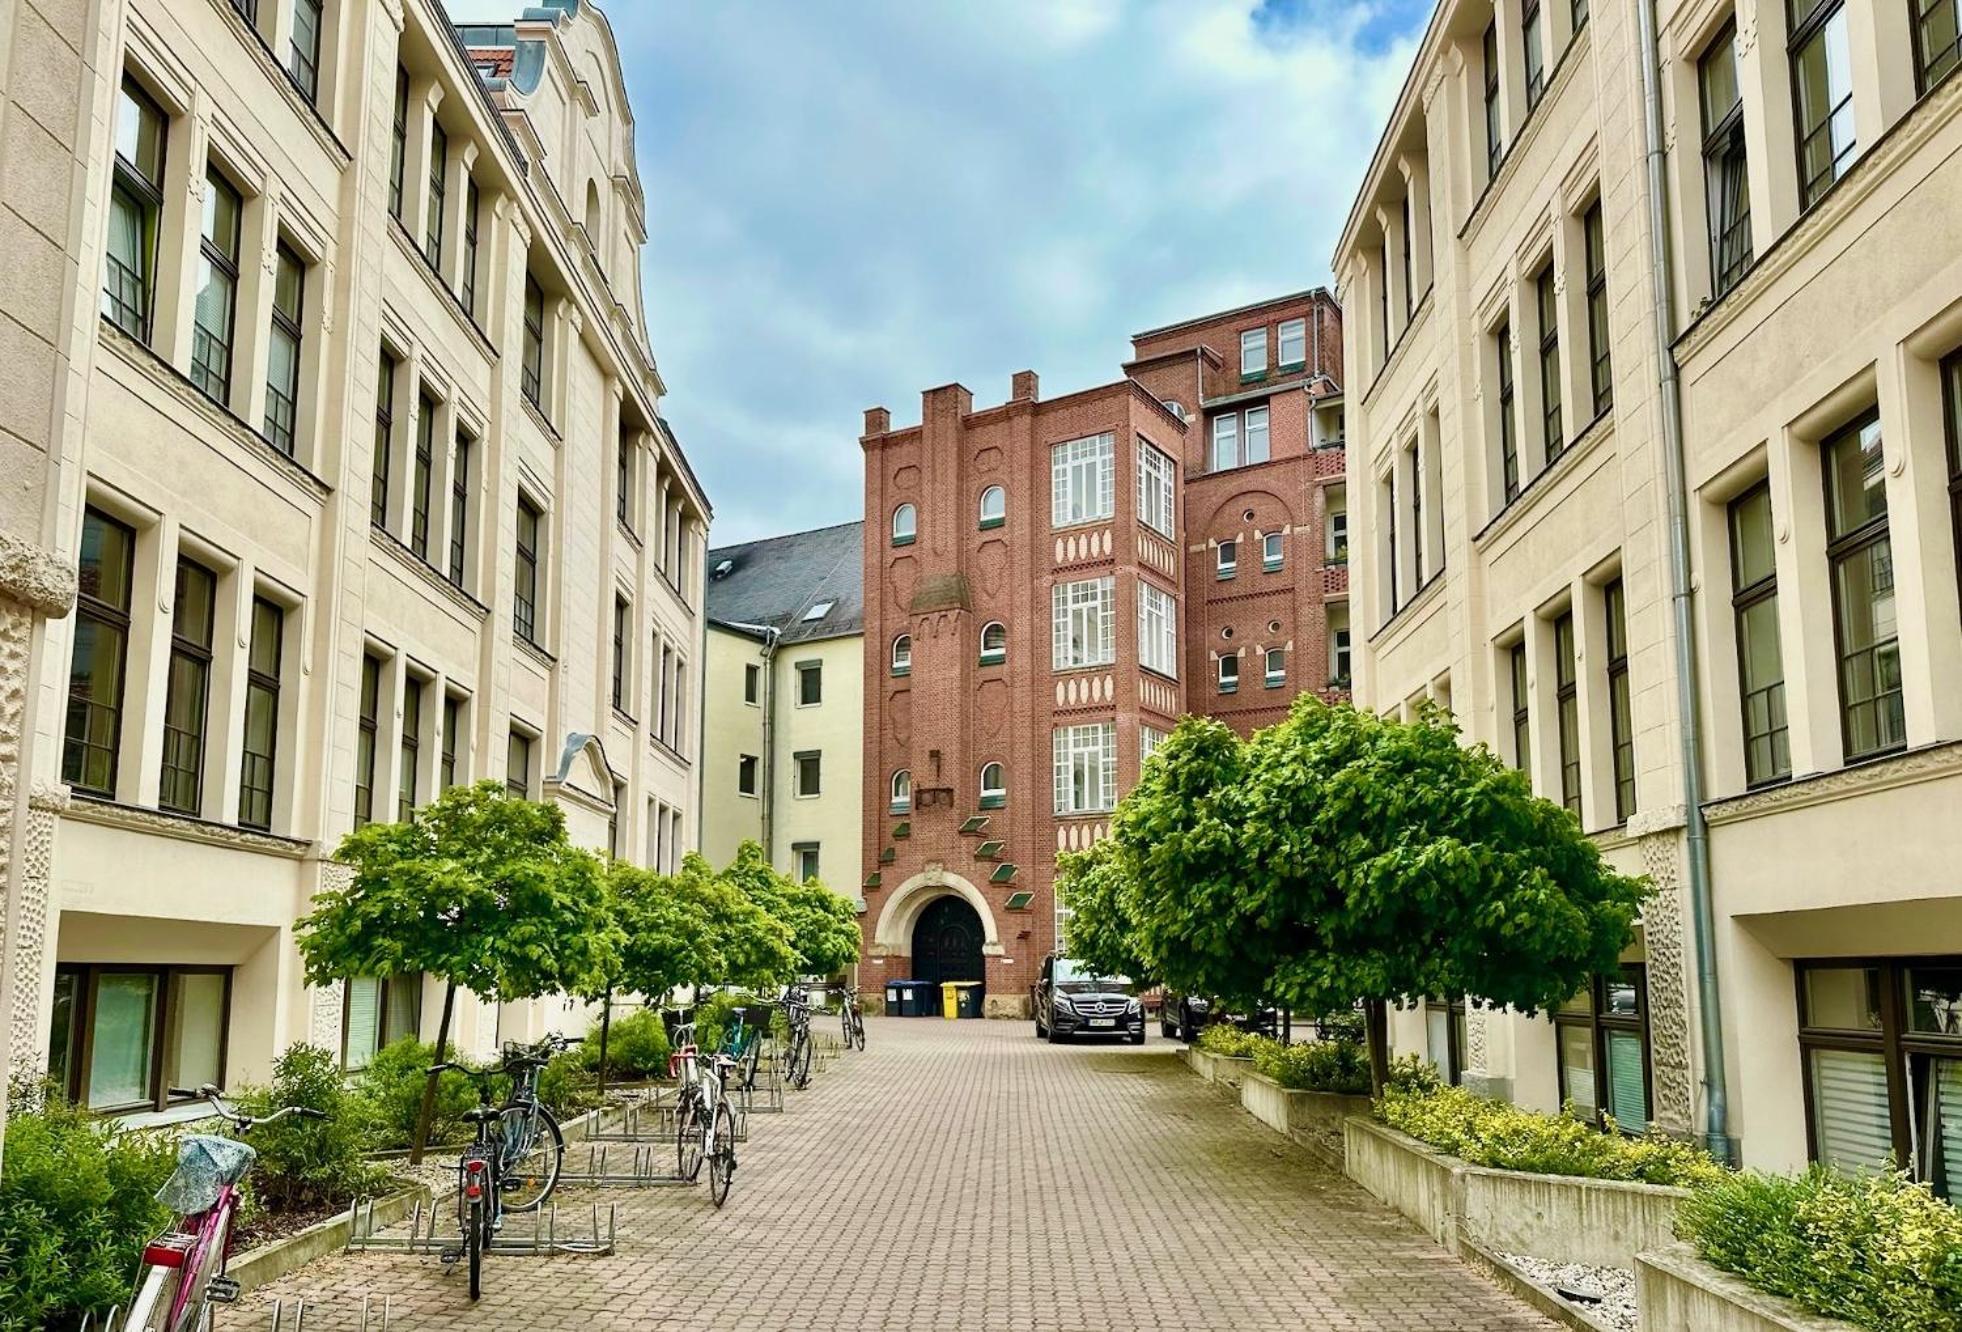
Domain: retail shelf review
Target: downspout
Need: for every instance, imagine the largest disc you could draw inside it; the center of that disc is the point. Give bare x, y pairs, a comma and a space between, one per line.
1716, 1128
767, 779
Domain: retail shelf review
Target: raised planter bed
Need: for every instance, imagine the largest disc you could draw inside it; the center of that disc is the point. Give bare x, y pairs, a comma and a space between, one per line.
1561, 1218
1217, 1069
1312, 1118
1679, 1292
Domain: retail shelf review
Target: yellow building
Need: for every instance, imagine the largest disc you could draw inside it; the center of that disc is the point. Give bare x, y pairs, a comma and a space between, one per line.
784, 708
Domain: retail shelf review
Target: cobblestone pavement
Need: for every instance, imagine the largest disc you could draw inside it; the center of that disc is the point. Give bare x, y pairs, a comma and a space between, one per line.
966, 1176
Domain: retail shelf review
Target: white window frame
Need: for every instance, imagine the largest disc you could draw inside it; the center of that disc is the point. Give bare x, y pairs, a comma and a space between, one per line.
1083, 620
1228, 674
1226, 429
1226, 558
1158, 630
1253, 343
994, 656
1269, 675
902, 661
1149, 739
1253, 425
998, 794
797, 774
1000, 514
899, 792
1085, 768
1157, 474
1082, 481
911, 513
1293, 331
1273, 550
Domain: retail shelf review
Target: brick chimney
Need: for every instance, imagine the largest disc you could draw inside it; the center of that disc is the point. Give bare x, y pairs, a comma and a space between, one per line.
1022, 386
878, 421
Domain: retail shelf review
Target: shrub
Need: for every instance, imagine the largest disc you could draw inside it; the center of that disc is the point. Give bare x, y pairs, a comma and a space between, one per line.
636, 1047
565, 1086
1414, 1073
77, 1204
391, 1086
305, 1163
1492, 1133
1877, 1251
1345, 1024
1323, 1066
1223, 1038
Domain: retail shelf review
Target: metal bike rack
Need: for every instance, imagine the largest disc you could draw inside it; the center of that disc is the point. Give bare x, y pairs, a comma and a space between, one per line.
522, 1232
280, 1317
624, 1165
651, 1120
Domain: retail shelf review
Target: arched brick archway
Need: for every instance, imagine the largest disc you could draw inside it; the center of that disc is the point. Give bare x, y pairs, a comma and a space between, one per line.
893, 935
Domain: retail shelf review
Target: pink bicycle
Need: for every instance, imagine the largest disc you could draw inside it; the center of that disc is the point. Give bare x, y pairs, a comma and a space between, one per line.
183, 1271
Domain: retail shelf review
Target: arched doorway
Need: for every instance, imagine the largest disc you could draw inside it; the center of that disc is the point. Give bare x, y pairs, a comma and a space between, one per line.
947, 942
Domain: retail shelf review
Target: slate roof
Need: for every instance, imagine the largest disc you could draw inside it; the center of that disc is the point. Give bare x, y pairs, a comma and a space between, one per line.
777, 580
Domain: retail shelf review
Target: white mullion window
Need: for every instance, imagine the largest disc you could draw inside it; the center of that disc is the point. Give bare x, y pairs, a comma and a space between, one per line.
1085, 768
1256, 439
1226, 441
1084, 620
1158, 633
1082, 481
1155, 476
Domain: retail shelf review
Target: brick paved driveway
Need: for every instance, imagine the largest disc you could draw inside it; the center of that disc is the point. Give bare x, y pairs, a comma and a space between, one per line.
965, 1176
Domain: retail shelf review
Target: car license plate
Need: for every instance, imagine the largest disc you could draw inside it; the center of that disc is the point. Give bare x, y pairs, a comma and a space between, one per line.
1103, 1022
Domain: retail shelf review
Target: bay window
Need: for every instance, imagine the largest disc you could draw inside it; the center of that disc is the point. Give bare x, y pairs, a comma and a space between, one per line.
1156, 473
1083, 616
1158, 630
1085, 768
1082, 481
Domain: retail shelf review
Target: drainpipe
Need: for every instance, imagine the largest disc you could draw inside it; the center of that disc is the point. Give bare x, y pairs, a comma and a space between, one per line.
1716, 1128
767, 779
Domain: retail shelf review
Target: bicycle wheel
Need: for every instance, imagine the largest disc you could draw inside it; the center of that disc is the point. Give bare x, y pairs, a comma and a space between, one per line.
688, 1125
477, 1222
858, 1029
800, 1076
528, 1180
150, 1309
722, 1162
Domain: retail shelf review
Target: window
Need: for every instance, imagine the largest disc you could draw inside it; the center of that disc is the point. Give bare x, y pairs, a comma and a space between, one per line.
384, 442
1522, 734
1621, 728
1149, 741
1226, 559
1226, 441
1158, 630
123, 1036
1549, 302
1882, 1049
95, 676
261, 738
1567, 696
902, 655
1726, 172
408, 786
524, 616
1156, 474
623, 483
1240, 439
365, 739
1338, 537
1495, 149
1862, 563
1338, 649
810, 773
303, 56
1082, 481
1602, 1041
994, 507
1229, 675
1255, 443
517, 765
818, 610
1085, 768
901, 799
439, 174
1253, 352
1415, 466
129, 284
752, 683
1386, 491
1952, 428
531, 372
810, 683
1083, 620
905, 525
398, 152
419, 476
1760, 660
994, 786
283, 349
1272, 551
452, 736
1822, 87
467, 271
1508, 438
376, 1012
1405, 237
215, 320
746, 771
1600, 361
1937, 41
663, 688
1383, 297
1445, 1037
459, 505
622, 617
805, 856
1532, 34
1275, 673
1293, 342
187, 691
994, 643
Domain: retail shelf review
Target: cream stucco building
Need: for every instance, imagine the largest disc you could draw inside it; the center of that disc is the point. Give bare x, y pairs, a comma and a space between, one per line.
784, 707
1515, 291
361, 461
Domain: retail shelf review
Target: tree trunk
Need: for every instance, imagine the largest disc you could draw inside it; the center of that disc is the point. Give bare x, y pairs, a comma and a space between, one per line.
606, 1025
428, 1110
1376, 1023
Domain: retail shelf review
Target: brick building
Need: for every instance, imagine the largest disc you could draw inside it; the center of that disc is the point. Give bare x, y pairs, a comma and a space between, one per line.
1051, 584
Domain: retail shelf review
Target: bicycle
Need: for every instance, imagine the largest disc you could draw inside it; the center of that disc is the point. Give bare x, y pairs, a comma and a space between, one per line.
183, 1270
852, 1019
794, 1061
743, 1044
704, 1126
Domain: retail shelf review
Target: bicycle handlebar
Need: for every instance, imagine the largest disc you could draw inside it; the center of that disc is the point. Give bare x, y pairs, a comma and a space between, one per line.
210, 1094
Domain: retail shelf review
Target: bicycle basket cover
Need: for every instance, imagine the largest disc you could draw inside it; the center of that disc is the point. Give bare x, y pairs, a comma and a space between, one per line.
205, 1164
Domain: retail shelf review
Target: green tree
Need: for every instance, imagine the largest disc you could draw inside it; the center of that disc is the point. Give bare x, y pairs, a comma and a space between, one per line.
745, 945
823, 927
1099, 931
477, 888
1341, 855
667, 931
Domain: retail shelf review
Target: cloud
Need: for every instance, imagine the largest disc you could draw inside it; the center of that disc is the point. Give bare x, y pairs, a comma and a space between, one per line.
852, 200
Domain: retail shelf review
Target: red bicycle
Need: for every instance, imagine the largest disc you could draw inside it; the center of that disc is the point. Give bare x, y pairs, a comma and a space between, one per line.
183, 1271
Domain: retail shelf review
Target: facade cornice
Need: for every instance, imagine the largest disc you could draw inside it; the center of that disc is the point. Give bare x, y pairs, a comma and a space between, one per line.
1930, 763
183, 828
427, 573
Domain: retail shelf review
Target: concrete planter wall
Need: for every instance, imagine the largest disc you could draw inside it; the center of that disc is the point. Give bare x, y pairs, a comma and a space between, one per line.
1679, 1292
1217, 1069
1312, 1118
1557, 1217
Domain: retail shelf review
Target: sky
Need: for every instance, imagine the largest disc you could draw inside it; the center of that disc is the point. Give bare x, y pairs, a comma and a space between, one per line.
851, 201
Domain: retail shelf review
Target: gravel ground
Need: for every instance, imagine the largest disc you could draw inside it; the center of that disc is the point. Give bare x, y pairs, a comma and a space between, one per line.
1616, 1284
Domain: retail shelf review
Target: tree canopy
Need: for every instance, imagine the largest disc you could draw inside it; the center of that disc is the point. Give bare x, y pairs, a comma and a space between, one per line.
823, 927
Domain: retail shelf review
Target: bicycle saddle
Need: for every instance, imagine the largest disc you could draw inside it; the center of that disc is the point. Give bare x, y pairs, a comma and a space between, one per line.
483, 1114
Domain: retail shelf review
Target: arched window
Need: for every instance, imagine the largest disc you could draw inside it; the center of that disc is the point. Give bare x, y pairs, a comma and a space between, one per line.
994, 643
994, 786
902, 792
902, 654
905, 525
593, 214
994, 506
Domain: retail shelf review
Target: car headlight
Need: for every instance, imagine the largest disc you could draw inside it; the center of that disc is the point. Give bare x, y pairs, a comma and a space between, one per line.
1134, 1006
1064, 1002
1199, 1005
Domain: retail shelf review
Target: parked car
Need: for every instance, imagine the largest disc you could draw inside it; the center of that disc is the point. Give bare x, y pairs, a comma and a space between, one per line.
1069, 1000
1185, 1015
